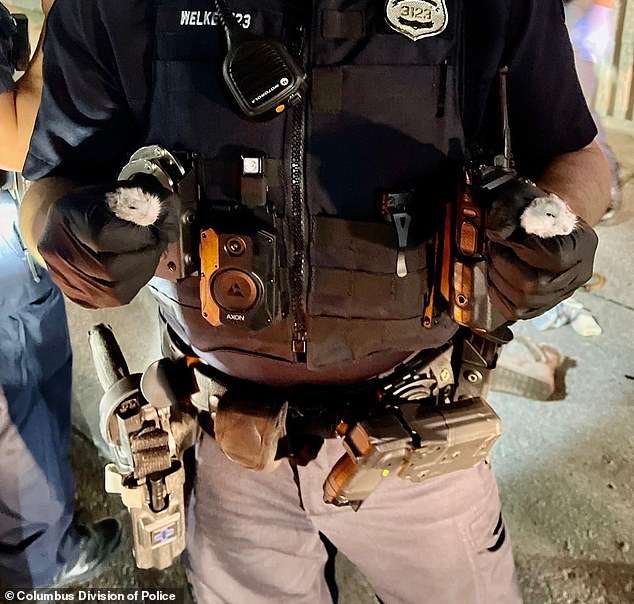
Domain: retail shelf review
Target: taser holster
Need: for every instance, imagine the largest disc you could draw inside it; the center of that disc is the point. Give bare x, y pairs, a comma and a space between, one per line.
147, 435
433, 420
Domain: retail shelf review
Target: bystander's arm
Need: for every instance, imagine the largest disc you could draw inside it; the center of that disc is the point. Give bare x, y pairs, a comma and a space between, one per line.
19, 107
18, 110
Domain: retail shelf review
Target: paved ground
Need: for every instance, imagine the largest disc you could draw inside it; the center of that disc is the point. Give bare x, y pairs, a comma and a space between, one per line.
564, 466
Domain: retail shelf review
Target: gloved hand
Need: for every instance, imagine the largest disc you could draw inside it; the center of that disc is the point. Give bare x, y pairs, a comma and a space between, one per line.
529, 274
7, 30
97, 259
520, 203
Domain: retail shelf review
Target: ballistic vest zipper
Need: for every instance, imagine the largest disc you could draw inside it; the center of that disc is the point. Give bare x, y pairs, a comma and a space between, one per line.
298, 219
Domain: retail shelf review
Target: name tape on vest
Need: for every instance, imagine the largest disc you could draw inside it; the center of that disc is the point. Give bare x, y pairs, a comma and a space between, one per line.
210, 18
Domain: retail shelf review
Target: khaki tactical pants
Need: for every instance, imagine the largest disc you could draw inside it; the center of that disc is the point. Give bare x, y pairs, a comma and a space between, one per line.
252, 539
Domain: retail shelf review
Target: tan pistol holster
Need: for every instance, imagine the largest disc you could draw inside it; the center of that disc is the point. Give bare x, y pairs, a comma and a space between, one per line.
148, 434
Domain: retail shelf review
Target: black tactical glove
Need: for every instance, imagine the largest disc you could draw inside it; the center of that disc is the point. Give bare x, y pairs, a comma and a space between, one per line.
97, 259
7, 31
507, 204
539, 251
530, 274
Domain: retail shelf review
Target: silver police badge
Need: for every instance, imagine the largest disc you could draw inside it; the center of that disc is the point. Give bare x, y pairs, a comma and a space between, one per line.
416, 19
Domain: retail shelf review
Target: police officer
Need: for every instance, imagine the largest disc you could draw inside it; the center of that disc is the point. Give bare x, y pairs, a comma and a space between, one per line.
40, 544
398, 93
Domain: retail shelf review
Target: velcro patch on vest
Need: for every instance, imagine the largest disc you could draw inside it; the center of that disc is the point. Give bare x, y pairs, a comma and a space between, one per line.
342, 25
416, 19
326, 90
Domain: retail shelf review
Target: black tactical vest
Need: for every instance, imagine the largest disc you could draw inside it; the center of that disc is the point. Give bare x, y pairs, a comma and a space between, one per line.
382, 114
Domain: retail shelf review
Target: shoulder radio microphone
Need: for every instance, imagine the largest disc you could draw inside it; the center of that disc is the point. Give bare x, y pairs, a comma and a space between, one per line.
260, 73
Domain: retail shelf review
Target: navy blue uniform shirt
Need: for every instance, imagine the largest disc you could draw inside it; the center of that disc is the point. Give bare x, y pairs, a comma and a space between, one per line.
97, 78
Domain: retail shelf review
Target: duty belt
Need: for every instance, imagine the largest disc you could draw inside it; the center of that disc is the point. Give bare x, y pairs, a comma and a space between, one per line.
424, 419
319, 409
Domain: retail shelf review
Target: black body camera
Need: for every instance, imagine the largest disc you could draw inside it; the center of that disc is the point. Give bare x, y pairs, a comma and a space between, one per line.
238, 277
231, 246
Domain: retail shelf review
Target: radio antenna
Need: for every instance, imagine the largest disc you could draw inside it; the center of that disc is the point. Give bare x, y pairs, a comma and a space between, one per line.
506, 159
